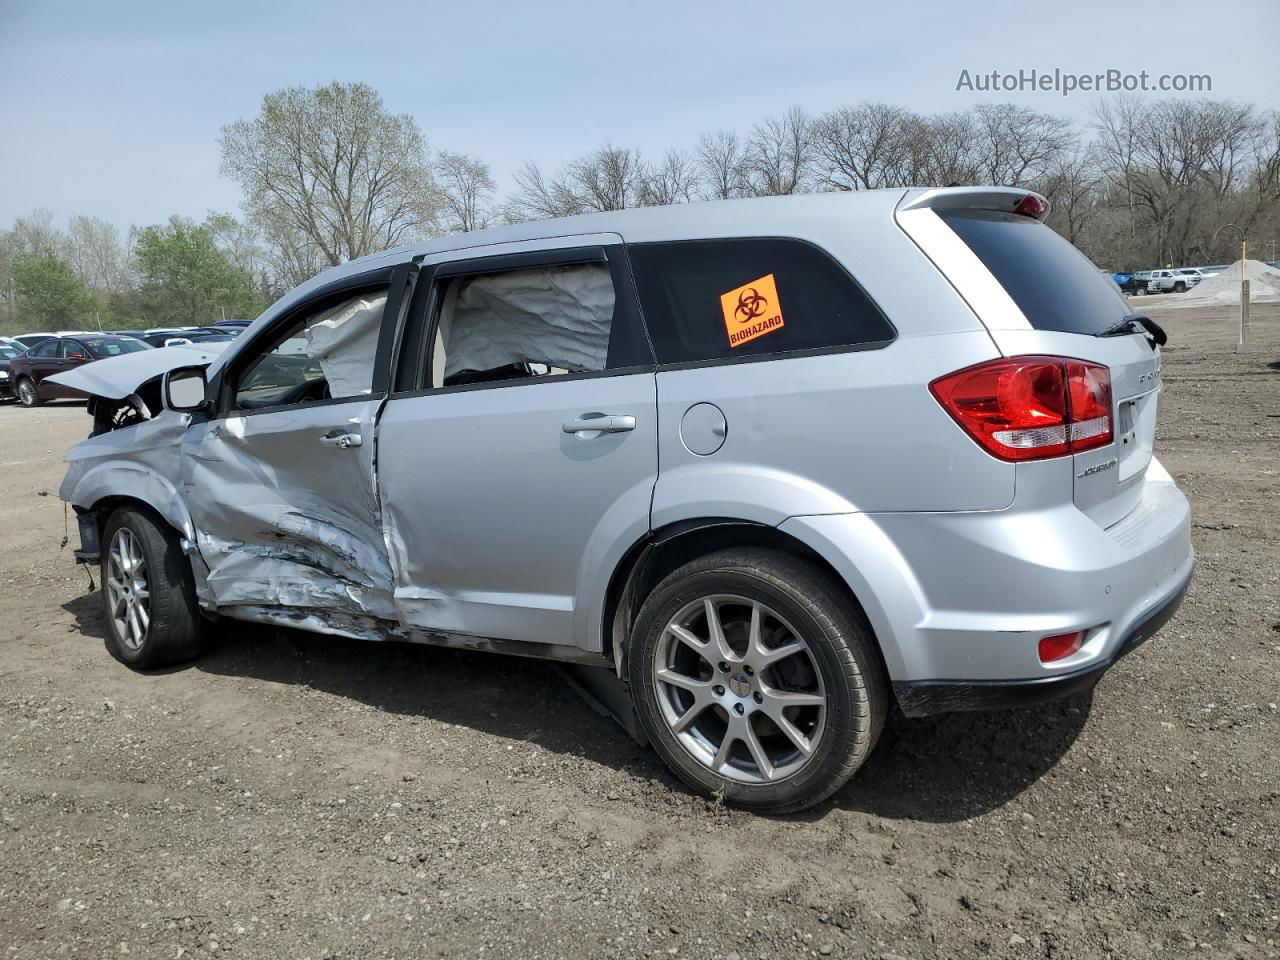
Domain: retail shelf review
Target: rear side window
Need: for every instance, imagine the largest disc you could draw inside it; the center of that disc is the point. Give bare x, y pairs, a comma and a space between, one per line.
722, 299
1054, 284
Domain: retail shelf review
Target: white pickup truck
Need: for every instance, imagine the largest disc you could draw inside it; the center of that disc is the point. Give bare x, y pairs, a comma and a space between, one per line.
1173, 281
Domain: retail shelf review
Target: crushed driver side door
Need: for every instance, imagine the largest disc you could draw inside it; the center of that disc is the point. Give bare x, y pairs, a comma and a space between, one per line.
280, 479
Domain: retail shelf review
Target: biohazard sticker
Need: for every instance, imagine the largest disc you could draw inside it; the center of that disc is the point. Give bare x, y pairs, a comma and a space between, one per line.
751, 310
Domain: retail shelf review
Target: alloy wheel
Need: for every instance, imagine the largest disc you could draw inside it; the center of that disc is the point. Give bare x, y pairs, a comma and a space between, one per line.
128, 592
26, 393
740, 689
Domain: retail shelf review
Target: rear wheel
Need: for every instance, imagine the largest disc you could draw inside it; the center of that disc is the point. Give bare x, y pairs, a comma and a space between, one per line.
148, 593
755, 680
28, 396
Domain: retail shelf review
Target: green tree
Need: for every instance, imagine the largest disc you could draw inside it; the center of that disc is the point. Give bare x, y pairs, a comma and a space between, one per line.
186, 279
48, 291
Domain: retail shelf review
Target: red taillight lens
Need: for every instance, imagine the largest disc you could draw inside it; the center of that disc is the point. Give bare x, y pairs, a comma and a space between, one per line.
1032, 205
1061, 646
1030, 408
1089, 396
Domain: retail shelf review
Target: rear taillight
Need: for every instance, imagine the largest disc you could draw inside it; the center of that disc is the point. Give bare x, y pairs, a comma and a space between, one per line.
1030, 408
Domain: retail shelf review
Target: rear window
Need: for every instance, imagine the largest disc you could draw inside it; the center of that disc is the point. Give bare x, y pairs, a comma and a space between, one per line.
1054, 284
111, 347
723, 299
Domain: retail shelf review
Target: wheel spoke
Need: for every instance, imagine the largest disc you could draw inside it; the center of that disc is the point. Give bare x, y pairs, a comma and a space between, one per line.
715, 629
757, 750
789, 698
684, 682
722, 753
768, 656
689, 639
792, 733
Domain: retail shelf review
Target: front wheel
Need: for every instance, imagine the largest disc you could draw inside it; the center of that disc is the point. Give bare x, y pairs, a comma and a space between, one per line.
1179, 287
756, 680
148, 593
28, 396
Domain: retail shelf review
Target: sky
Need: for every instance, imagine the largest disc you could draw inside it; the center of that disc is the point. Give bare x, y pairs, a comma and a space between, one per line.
112, 108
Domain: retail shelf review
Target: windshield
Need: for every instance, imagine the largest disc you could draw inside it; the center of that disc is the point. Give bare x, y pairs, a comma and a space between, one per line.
1054, 284
112, 346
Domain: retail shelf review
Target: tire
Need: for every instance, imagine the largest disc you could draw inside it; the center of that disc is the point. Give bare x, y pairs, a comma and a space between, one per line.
28, 394
168, 615
836, 666
1140, 292
1179, 287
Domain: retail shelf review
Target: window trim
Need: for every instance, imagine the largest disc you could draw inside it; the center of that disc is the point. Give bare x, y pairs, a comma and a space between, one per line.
413, 372
223, 382
795, 353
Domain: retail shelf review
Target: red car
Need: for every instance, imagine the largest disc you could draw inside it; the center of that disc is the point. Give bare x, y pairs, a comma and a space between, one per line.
28, 371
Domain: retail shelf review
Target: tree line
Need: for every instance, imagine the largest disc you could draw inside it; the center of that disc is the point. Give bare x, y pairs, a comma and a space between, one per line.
328, 175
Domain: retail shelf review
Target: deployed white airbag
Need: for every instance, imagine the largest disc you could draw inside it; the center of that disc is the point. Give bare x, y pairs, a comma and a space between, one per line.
559, 316
344, 340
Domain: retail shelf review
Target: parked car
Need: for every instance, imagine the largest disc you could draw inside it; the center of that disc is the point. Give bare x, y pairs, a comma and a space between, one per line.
30, 371
1134, 284
1173, 281
8, 350
29, 340
759, 469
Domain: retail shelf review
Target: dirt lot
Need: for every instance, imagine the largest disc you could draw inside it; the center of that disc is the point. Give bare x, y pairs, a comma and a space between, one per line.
295, 796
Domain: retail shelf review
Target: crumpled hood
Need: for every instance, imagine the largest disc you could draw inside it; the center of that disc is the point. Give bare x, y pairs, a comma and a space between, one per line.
116, 377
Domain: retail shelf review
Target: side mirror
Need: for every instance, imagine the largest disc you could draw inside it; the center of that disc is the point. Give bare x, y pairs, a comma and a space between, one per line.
184, 389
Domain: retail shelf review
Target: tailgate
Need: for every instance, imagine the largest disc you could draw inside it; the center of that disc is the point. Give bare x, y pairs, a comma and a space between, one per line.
1038, 295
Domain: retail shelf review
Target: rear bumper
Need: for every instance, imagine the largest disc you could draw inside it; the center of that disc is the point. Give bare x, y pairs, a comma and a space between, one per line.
923, 697
960, 601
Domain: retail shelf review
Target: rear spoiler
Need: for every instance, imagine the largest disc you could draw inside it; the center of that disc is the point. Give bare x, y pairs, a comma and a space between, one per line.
998, 199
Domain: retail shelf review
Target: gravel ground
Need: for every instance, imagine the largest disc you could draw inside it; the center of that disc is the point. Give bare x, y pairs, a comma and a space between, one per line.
297, 796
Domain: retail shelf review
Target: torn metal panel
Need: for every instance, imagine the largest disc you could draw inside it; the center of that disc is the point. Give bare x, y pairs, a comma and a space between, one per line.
284, 518
142, 461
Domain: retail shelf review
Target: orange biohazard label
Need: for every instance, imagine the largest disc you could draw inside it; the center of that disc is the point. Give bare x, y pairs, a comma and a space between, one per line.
751, 310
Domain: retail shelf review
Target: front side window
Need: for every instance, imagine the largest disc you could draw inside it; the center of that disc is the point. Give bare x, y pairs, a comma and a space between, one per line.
725, 299
542, 321
327, 353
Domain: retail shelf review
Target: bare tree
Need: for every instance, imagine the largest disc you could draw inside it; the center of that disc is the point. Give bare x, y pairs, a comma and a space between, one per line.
721, 164
865, 147
779, 154
97, 255
673, 180
466, 191
1016, 146
945, 149
611, 178
331, 165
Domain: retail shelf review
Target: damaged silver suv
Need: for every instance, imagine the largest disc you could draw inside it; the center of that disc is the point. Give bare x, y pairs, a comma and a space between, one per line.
758, 470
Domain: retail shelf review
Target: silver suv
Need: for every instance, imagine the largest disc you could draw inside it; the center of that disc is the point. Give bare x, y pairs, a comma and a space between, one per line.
761, 469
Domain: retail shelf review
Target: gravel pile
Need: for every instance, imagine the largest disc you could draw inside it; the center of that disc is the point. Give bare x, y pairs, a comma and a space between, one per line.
1264, 285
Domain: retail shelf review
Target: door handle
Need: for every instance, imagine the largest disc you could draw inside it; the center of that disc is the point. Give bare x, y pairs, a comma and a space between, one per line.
596, 424
342, 440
